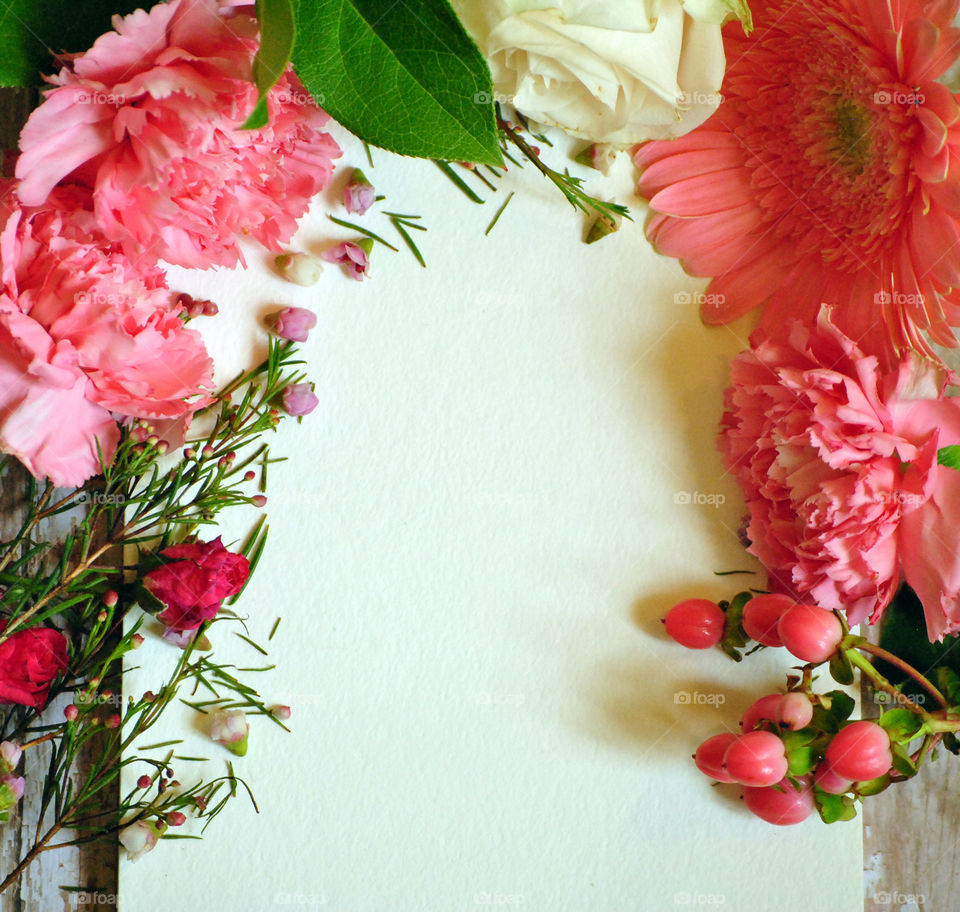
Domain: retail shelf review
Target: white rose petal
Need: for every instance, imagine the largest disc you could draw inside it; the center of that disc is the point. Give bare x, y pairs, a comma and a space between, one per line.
616, 72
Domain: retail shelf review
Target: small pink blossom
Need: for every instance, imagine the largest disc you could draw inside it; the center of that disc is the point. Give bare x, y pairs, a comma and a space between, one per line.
354, 256
16, 784
299, 399
294, 323
149, 123
231, 729
358, 195
141, 837
10, 754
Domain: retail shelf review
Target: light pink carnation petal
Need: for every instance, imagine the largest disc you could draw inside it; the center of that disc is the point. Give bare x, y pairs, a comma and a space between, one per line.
45, 420
61, 135
930, 551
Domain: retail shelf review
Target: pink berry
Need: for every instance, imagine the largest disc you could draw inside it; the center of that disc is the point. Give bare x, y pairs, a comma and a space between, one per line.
782, 806
829, 781
761, 616
765, 708
756, 758
696, 623
709, 756
810, 633
860, 751
795, 710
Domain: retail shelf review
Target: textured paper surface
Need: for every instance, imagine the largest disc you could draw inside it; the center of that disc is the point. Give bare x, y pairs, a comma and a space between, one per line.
510, 478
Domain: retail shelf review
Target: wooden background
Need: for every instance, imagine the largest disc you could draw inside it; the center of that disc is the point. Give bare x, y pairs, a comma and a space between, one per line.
911, 832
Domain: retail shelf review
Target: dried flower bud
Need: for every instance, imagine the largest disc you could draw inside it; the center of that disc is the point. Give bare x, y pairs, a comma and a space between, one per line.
602, 226
299, 268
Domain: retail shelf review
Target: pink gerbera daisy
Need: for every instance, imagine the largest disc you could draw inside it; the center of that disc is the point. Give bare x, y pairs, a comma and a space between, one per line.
826, 174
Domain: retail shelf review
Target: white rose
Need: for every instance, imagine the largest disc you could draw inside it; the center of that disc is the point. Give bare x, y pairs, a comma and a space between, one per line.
615, 71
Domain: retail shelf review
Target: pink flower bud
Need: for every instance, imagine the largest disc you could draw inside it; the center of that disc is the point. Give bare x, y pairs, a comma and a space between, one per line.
359, 195
110, 599
299, 399
281, 712
71, 712
136, 641
144, 782
354, 256
258, 500
16, 785
10, 755
299, 268
294, 323
176, 818
231, 729
113, 721
141, 837
250, 475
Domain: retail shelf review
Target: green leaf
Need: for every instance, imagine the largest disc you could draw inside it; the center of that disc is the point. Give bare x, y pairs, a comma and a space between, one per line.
801, 761
902, 762
873, 786
901, 725
840, 668
277, 33
904, 633
951, 742
404, 76
32, 31
834, 807
830, 717
949, 456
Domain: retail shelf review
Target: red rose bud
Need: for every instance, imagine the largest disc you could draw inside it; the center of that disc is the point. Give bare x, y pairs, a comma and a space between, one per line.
359, 195
299, 399
193, 583
293, 323
355, 256
29, 661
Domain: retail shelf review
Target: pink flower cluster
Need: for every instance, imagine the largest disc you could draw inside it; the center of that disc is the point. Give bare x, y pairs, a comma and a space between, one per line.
135, 156
839, 464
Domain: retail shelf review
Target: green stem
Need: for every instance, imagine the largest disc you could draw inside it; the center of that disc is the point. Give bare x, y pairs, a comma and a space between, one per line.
881, 683
906, 668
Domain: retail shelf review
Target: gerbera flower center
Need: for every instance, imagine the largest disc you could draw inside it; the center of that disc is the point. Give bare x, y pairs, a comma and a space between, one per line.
829, 143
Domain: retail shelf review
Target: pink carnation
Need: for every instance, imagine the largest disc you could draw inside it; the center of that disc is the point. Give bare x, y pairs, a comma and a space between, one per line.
148, 121
817, 435
85, 336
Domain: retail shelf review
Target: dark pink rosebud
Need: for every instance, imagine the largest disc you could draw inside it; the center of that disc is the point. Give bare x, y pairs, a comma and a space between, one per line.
359, 195
299, 399
193, 583
294, 323
354, 256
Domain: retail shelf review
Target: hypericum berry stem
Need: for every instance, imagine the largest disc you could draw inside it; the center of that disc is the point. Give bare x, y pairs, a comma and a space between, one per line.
867, 668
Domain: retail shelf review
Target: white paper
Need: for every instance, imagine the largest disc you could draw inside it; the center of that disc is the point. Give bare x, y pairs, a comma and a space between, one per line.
471, 547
